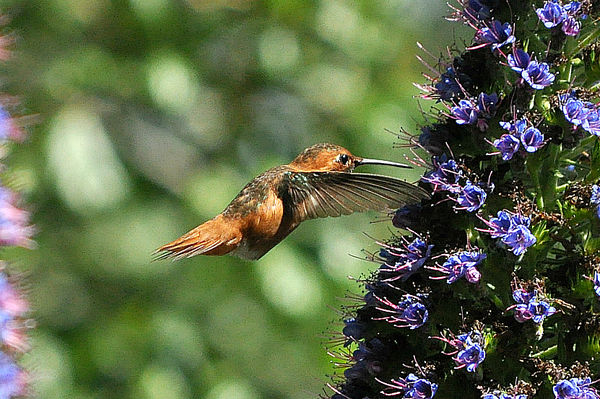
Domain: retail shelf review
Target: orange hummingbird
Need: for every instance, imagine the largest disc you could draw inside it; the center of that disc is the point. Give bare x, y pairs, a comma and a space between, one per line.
318, 183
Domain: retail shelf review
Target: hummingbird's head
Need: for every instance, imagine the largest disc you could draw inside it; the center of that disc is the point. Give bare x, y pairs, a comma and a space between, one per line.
327, 157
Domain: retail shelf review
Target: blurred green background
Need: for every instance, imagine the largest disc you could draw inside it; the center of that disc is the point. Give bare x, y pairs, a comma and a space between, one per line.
152, 115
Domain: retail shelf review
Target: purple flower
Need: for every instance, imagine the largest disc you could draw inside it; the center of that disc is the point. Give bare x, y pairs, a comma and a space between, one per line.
572, 8
530, 306
538, 75
551, 14
486, 104
532, 139
445, 176
420, 388
411, 387
409, 312
461, 264
496, 35
500, 225
523, 297
571, 26
518, 60
591, 124
575, 388
471, 357
466, 113
471, 198
518, 239
513, 229
540, 310
575, 110
404, 260
508, 145
12, 377
515, 128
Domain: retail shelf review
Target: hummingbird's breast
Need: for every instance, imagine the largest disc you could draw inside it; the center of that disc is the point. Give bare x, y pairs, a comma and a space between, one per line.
261, 214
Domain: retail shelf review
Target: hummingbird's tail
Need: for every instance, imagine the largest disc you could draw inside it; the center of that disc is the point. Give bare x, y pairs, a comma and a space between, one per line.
215, 237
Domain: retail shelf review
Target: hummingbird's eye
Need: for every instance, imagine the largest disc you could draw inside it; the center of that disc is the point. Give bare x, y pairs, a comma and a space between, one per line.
343, 159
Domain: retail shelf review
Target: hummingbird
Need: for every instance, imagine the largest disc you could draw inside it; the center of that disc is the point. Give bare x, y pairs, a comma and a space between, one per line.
318, 183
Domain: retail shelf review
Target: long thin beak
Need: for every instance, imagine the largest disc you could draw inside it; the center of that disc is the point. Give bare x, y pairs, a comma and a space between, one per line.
367, 161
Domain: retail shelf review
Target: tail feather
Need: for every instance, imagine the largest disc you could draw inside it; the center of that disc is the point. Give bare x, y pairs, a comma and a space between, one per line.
214, 237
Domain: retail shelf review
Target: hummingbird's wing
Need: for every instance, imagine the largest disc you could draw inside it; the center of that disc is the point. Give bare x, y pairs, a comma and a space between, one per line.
322, 194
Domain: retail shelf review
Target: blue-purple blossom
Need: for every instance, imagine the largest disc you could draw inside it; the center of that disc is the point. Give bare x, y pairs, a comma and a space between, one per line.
487, 104
419, 388
552, 14
508, 145
596, 281
12, 377
495, 35
8, 128
572, 8
411, 387
445, 175
571, 26
532, 139
471, 198
575, 110
518, 239
465, 113
470, 357
530, 306
405, 259
591, 124
407, 216
575, 388
538, 75
409, 312
461, 264
469, 349
512, 229
519, 60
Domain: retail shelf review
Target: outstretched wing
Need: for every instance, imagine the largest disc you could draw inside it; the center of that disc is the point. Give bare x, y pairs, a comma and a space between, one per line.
322, 194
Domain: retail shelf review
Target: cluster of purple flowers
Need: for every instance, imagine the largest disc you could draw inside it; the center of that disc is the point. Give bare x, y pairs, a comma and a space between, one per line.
404, 260
461, 264
471, 111
409, 312
520, 132
530, 306
469, 352
512, 229
503, 395
575, 388
495, 35
410, 387
14, 222
536, 74
12, 311
445, 177
553, 14
581, 113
